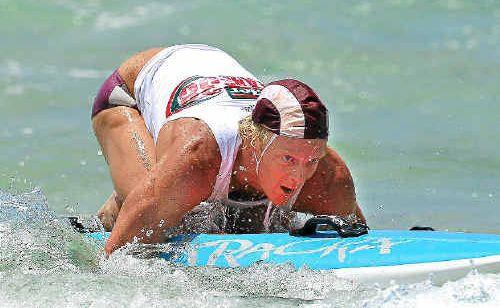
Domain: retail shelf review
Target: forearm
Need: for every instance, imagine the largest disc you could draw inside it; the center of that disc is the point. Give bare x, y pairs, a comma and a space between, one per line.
340, 202
331, 207
359, 214
170, 190
133, 217
143, 217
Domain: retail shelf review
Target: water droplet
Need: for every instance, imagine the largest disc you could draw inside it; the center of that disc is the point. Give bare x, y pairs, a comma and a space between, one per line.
27, 131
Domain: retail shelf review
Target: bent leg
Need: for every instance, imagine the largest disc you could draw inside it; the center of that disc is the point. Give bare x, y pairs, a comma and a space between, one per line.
129, 151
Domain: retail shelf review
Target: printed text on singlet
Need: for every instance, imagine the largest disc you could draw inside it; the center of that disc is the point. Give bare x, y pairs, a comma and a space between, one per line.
197, 89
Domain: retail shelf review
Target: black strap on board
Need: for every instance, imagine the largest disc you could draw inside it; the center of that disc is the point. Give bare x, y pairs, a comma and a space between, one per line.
76, 224
343, 227
83, 225
421, 228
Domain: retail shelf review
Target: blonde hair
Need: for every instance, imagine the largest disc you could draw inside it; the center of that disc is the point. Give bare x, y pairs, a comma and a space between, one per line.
256, 133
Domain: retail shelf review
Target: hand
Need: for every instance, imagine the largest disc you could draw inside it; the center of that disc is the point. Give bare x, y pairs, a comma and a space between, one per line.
108, 212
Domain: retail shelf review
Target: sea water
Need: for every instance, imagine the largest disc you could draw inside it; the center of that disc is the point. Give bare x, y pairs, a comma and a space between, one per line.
412, 88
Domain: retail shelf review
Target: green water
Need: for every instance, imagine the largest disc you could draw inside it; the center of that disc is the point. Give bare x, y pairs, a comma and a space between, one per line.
412, 87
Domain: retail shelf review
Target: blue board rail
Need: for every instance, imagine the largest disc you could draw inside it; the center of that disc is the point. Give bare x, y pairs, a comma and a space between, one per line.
325, 251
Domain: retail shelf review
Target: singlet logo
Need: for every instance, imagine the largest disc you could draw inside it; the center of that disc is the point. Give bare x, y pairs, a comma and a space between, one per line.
197, 89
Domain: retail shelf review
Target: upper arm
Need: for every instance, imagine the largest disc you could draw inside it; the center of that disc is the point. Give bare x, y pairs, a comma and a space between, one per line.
330, 190
187, 150
131, 67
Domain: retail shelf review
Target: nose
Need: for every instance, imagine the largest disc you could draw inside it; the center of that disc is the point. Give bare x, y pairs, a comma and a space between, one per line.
297, 176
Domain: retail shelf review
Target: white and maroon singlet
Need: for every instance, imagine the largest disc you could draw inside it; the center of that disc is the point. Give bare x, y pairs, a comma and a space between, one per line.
203, 82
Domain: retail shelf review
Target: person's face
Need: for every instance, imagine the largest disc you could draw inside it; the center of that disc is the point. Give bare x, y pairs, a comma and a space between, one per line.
287, 164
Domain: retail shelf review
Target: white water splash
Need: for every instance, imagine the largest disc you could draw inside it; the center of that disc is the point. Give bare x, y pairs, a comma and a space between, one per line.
45, 263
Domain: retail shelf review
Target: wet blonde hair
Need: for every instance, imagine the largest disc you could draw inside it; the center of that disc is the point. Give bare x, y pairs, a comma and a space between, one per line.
256, 133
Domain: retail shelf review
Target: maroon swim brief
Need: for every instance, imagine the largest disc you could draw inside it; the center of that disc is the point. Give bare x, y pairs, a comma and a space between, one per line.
102, 100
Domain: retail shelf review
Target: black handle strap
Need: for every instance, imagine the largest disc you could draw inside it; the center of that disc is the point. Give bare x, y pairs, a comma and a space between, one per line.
76, 224
422, 228
336, 223
85, 225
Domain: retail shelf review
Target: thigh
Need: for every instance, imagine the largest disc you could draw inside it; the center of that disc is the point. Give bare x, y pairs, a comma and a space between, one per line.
127, 146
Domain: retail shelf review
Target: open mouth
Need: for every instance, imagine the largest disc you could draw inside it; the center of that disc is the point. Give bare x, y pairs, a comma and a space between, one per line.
287, 190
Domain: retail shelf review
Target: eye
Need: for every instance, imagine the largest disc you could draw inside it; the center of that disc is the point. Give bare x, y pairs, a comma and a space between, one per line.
287, 159
314, 160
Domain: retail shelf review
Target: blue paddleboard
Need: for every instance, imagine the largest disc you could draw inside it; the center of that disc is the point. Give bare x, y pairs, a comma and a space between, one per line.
398, 253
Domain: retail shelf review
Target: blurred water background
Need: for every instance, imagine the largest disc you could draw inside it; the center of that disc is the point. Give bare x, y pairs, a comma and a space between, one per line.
413, 90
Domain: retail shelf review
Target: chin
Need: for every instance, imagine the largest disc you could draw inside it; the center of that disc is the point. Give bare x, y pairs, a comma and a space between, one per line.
276, 196
279, 200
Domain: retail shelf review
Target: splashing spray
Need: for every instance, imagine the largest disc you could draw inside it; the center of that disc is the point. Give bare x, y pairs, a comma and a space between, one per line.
287, 209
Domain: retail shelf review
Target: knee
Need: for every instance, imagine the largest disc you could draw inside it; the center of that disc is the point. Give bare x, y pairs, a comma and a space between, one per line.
113, 118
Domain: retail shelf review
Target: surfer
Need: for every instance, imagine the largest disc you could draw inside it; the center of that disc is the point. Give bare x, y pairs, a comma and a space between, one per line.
186, 124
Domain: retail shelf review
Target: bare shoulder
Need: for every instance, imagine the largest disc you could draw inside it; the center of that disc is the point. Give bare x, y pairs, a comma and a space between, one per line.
131, 67
334, 164
332, 172
330, 190
187, 152
191, 138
